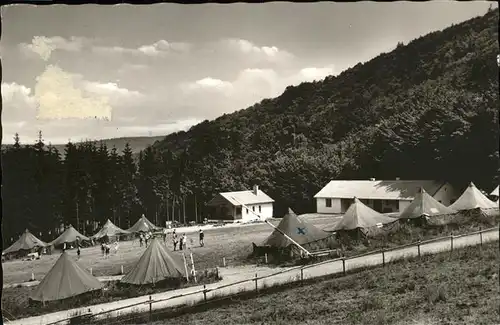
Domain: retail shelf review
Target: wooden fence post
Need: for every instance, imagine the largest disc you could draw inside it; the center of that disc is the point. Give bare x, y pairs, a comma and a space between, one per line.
451, 240
150, 310
418, 248
301, 274
205, 293
224, 261
480, 236
121, 269
383, 257
343, 265
256, 286
265, 257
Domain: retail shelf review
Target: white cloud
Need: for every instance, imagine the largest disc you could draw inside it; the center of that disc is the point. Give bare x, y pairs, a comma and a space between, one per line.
159, 48
208, 83
111, 90
315, 74
270, 53
44, 46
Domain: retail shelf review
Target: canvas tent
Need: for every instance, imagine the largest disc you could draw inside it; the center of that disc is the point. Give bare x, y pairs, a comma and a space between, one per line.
26, 242
424, 205
301, 231
142, 225
360, 216
65, 279
109, 230
70, 235
156, 264
472, 198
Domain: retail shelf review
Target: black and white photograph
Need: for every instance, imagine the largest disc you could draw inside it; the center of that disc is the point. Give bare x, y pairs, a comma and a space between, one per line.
250, 163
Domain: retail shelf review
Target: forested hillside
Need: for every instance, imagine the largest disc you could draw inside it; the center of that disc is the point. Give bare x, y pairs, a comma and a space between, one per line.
427, 110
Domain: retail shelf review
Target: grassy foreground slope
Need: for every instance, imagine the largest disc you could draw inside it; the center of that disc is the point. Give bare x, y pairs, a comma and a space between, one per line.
437, 289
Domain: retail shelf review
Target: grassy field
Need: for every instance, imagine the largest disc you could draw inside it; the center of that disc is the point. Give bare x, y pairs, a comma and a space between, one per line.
438, 289
235, 244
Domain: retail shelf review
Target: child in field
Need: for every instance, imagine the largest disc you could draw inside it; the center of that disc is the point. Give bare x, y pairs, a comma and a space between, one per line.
202, 238
175, 240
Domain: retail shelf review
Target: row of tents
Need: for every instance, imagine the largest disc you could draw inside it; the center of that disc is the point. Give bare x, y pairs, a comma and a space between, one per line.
67, 278
28, 242
360, 218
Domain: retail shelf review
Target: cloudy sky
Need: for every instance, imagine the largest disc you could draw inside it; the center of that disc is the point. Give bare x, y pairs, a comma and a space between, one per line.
92, 71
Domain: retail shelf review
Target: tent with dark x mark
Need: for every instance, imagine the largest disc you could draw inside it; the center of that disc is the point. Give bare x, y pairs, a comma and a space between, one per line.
300, 231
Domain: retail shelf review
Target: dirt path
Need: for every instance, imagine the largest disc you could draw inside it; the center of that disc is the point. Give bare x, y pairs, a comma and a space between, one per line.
248, 273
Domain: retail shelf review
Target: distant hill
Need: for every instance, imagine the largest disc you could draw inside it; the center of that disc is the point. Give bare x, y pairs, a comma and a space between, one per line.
136, 143
426, 110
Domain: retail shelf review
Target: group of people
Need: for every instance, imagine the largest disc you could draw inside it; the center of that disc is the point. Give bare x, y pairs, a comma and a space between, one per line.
106, 248
145, 238
182, 240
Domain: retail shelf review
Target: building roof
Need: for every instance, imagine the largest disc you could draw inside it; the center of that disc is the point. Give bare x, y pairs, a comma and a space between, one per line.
472, 198
25, 242
243, 197
361, 216
156, 264
378, 189
495, 192
65, 279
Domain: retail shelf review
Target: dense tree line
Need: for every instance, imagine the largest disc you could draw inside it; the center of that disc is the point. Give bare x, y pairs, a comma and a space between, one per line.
427, 110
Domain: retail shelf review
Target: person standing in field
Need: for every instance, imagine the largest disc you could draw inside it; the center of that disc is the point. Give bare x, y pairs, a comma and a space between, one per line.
140, 240
78, 251
202, 238
175, 240
183, 242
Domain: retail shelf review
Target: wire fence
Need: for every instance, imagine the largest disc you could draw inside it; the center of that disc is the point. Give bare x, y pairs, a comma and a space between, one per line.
160, 303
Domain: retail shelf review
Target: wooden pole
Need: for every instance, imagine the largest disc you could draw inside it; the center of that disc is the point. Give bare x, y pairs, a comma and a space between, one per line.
121, 269
418, 247
256, 286
194, 270
480, 236
224, 261
301, 274
343, 265
205, 293
185, 267
265, 256
150, 309
383, 258
451, 238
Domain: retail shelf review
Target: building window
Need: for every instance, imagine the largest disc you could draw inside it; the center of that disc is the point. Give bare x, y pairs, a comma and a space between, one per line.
260, 209
253, 208
247, 210
328, 203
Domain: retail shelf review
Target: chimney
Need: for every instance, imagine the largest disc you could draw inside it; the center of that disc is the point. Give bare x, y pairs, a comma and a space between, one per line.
372, 179
397, 178
256, 189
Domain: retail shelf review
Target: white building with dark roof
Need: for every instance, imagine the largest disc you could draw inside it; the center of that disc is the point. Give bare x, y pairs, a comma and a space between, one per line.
385, 196
241, 206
